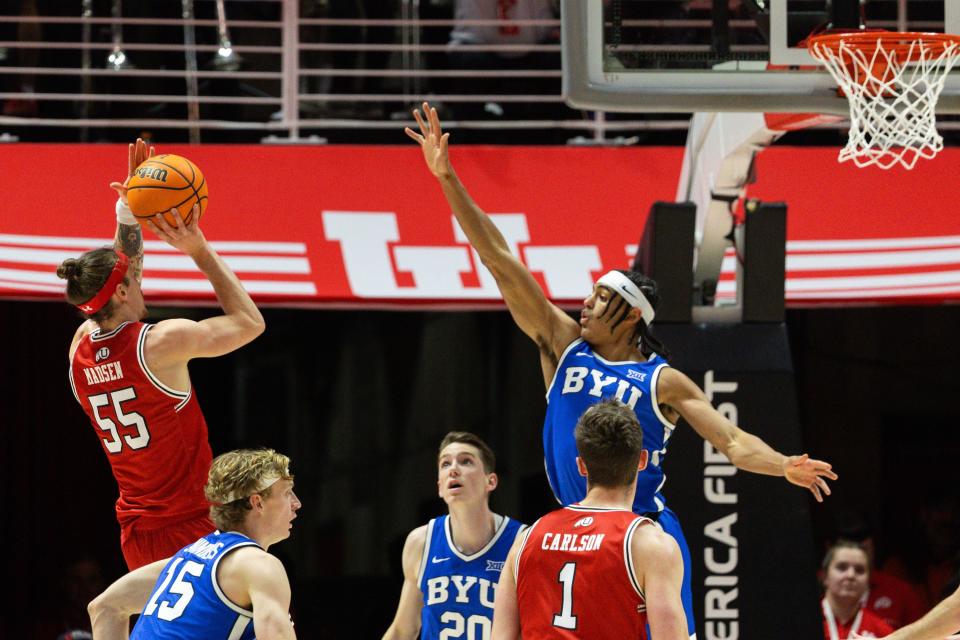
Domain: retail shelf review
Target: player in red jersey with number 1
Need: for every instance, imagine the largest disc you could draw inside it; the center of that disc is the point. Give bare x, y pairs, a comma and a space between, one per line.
595, 569
131, 378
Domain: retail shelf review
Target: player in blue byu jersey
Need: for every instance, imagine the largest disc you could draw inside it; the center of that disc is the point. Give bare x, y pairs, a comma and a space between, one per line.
451, 565
610, 352
224, 586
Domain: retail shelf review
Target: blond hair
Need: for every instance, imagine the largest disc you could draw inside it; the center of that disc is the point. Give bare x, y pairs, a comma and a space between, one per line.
235, 476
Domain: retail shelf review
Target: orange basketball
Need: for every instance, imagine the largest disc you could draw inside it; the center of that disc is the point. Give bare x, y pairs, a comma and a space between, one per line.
164, 182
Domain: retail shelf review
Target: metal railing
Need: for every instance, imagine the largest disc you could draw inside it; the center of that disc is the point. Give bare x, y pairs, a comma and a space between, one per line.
260, 69
96, 73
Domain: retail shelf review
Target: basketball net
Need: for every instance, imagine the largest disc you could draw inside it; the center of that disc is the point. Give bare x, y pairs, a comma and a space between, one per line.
892, 82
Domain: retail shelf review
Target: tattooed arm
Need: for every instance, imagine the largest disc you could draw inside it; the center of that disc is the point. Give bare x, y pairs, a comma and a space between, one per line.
129, 236
129, 240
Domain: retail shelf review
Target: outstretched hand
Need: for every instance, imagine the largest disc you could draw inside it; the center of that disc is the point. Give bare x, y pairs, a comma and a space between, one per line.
810, 474
186, 237
432, 140
137, 153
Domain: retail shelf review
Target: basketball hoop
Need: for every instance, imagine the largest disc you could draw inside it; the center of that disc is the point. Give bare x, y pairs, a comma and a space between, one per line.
892, 82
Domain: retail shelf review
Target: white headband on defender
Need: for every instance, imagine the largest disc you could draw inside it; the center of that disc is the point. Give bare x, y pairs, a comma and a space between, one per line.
265, 483
616, 281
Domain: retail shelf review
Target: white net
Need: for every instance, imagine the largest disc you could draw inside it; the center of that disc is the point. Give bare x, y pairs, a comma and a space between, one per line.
892, 82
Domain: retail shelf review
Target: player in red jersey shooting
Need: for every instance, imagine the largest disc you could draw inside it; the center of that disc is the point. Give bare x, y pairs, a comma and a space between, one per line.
132, 381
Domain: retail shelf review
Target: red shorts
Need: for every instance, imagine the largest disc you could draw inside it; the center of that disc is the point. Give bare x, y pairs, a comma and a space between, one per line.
143, 546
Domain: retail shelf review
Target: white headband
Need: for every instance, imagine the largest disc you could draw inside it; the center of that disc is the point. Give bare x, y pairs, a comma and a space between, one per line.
630, 292
265, 483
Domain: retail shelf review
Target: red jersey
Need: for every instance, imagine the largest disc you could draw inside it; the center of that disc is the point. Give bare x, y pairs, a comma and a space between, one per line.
575, 576
155, 437
894, 600
866, 623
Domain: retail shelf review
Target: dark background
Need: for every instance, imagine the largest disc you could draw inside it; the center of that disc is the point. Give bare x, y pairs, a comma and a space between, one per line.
360, 400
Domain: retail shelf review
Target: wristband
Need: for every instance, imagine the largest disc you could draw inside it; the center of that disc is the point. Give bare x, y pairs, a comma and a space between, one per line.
124, 214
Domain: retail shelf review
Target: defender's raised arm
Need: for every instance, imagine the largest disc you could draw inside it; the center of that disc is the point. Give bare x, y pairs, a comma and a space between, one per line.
545, 323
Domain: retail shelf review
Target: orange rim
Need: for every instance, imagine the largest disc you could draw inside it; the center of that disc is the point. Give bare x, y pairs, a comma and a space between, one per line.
901, 43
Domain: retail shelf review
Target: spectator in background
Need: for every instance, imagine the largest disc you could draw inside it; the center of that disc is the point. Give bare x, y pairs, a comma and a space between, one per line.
933, 560
846, 575
519, 56
888, 596
466, 33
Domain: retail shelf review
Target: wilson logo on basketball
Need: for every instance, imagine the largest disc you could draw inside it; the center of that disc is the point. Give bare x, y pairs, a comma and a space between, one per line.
102, 354
153, 173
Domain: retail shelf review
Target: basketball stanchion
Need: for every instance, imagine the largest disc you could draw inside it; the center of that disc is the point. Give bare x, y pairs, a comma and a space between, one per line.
892, 81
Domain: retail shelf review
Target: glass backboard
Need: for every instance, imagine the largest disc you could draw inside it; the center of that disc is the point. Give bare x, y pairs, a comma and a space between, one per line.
685, 56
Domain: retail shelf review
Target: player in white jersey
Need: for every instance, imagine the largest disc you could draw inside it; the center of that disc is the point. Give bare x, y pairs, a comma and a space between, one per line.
451, 565
613, 337
224, 586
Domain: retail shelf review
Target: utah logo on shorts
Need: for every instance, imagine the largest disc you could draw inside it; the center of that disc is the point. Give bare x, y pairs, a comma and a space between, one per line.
102, 354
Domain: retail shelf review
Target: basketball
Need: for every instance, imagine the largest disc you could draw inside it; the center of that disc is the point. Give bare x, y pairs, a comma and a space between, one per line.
163, 182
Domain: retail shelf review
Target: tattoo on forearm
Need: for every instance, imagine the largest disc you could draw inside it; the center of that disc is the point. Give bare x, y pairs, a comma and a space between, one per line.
130, 241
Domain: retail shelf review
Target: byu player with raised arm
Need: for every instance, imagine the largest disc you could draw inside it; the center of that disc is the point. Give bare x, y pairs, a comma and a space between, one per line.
609, 353
452, 564
224, 586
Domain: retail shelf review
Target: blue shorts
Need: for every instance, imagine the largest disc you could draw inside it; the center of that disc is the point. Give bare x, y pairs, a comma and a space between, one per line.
669, 522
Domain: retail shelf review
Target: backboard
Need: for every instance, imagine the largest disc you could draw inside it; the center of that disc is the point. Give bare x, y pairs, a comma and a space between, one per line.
686, 56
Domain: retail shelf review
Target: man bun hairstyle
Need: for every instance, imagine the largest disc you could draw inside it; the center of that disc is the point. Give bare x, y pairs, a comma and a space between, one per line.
85, 277
649, 343
487, 456
69, 269
609, 441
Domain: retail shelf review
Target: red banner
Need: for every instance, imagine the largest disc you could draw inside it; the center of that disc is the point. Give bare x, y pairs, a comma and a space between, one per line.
368, 225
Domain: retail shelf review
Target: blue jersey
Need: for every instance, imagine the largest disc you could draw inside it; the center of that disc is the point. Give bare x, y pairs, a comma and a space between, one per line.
187, 602
582, 379
458, 590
